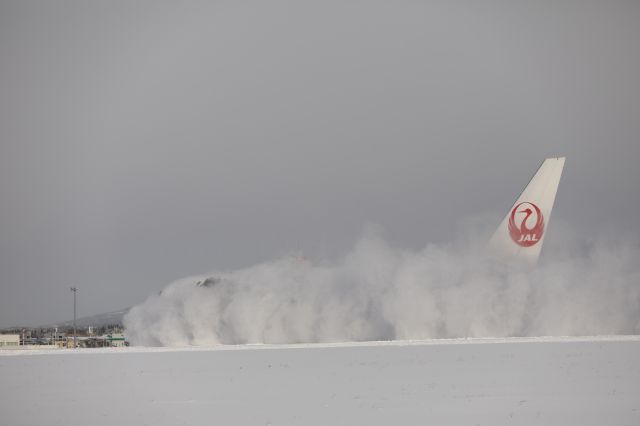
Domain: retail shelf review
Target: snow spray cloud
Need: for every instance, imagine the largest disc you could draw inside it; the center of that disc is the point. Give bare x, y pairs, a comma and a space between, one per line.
377, 292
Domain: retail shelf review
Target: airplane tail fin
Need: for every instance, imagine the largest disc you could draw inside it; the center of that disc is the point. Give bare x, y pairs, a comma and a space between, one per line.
521, 234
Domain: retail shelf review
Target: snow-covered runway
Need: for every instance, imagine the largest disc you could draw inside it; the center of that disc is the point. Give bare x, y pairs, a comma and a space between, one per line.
586, 381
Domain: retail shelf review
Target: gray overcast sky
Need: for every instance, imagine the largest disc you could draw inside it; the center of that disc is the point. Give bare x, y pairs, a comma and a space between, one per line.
141, 142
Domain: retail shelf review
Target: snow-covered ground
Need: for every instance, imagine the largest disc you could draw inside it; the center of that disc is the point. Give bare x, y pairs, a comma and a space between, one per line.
585, 381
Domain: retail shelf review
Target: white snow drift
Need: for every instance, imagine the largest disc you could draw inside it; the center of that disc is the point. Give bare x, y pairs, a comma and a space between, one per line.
380, 293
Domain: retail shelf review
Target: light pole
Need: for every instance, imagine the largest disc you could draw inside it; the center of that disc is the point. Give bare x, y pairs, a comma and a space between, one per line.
75, 338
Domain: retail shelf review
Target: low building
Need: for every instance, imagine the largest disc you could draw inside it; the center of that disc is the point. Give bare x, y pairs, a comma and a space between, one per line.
116, 339
9, 340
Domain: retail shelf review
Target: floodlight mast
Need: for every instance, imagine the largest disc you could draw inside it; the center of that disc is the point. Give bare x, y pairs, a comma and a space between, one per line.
75, 337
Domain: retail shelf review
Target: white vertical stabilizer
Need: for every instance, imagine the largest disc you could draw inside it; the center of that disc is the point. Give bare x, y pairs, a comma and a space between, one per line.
521, 234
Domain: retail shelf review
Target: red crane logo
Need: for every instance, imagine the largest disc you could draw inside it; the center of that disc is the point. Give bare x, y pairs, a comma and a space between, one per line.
522, 234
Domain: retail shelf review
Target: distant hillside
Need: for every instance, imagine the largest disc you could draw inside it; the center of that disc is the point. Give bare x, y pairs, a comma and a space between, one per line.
109, 318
